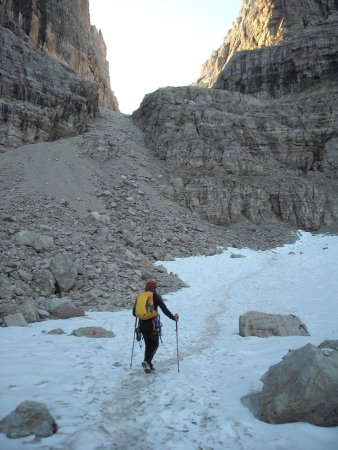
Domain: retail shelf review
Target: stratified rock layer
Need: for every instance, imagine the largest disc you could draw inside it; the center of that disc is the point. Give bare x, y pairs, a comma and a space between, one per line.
304, 62
269, 155
40, 99
264, 23
53, 71
233, 156
63, 30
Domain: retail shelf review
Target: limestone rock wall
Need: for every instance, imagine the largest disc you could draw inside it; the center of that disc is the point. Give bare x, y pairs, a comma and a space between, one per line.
40, 99
63, 30
272, 154
265, 23
233, 156
306, 62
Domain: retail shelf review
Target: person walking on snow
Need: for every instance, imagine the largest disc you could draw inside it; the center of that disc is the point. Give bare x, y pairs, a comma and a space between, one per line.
150, 328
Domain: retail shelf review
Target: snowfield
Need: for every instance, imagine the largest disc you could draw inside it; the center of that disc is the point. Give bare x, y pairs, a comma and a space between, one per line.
100, 403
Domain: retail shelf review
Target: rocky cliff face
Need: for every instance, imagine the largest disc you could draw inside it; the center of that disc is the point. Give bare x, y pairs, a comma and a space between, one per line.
53, 71
305, 62
63, 30
265, 23
270, 156
233, 157
40, 99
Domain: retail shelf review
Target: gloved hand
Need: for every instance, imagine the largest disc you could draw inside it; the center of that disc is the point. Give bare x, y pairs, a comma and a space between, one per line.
176, 317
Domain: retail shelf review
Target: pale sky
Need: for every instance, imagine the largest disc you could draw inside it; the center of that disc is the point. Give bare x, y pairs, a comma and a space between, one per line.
158, 43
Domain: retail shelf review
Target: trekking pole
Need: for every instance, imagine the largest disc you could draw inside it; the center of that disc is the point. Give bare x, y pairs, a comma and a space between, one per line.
178, 361
132, 350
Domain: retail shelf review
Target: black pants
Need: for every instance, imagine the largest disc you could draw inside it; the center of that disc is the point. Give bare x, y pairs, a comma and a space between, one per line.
151, 341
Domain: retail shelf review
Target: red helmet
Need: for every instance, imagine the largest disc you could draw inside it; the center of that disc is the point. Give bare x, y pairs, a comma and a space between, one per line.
151, 285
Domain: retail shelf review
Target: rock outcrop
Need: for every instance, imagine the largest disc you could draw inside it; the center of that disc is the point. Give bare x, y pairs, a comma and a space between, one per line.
266, 23
40, 99
53, 71
233, 156
269, 155
63, 30
302, 63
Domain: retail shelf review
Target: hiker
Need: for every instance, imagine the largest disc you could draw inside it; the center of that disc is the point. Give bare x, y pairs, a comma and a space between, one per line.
151, 327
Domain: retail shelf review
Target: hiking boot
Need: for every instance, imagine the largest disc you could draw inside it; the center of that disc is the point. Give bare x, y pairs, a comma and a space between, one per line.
146, 367
152, 368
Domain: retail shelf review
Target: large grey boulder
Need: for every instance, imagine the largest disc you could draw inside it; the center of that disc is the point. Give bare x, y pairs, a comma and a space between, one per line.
303, 387
29, 418
254, 323
64, 271
63, 308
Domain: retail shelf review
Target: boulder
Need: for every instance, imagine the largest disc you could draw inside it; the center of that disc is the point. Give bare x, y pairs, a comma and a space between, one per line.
63, 308
29, 418
15, 320
303, 387
64, 271
29, 311
5, 289
56, 331
93, 332
254, 323
44, 282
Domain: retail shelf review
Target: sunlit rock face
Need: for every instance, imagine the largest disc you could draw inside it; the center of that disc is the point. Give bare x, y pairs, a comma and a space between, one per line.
262, 143
264, 23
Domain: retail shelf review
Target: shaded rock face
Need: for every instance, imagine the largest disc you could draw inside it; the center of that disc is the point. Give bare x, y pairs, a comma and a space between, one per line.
303, 387
63, 30
233, 156
265, 23
53, 71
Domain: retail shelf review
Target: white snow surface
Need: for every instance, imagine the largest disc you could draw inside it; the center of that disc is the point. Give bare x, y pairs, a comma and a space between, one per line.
100, 403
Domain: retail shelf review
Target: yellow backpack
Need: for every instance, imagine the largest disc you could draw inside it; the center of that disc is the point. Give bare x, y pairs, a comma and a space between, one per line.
144, 306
